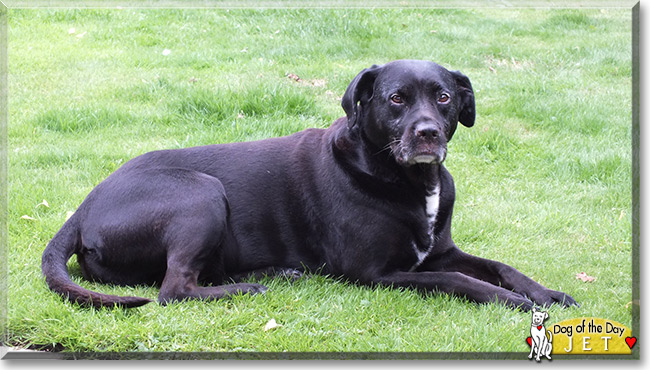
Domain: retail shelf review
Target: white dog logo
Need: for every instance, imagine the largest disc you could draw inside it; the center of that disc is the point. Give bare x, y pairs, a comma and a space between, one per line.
539, 342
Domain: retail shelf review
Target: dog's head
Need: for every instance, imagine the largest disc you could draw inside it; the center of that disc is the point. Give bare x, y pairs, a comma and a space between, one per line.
539, 317
410, 107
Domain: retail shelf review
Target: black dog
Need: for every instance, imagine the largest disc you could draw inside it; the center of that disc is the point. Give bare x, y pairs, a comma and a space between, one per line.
367, 199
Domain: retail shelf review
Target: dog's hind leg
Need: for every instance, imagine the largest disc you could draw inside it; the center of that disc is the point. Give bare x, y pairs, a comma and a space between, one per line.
549, 345
196, 247
181, 283
194, 237
184, 264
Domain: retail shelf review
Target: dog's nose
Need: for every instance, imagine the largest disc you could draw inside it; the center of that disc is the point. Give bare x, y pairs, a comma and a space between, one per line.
427, 130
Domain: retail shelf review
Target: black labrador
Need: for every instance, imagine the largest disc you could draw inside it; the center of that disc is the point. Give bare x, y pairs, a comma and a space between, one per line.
367, 199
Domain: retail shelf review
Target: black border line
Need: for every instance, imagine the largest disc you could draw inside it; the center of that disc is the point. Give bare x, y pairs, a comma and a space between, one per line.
636, 179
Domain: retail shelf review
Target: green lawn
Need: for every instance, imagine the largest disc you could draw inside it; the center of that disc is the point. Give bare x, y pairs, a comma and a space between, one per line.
543, 179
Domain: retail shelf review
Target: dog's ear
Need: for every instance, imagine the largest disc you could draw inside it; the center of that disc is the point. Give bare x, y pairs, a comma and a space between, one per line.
534, 310
467, 108
546, 315
358, 94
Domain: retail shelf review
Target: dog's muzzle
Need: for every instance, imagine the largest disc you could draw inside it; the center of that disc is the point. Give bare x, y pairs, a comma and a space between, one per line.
424, 144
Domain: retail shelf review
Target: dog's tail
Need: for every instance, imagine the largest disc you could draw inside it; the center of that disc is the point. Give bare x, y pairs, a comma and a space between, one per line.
550, 336
53, 263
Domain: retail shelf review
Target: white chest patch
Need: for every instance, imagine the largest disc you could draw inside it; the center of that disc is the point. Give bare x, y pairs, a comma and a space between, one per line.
433, 202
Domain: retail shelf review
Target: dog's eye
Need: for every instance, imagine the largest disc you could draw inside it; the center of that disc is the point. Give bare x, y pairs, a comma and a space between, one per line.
443, 98
395, 98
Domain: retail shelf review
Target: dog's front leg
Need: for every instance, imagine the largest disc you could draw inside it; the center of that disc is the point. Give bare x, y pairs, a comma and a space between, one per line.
536, 346
541, 347
455, 283
499, 274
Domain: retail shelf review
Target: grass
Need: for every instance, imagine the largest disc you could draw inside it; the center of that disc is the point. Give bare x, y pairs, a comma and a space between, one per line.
543, 179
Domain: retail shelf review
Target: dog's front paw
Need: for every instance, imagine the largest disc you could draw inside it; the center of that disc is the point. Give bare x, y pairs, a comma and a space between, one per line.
292, 275
548, 297
516, 300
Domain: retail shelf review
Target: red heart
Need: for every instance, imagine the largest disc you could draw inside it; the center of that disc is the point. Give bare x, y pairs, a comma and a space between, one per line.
530, 341
631, 341
539, 327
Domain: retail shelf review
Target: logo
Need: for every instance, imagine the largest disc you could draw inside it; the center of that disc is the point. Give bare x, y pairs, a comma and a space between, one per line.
581, 336
540, 343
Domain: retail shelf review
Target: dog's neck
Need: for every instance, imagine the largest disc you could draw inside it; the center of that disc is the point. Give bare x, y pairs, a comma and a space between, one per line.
363, 160
426, 174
